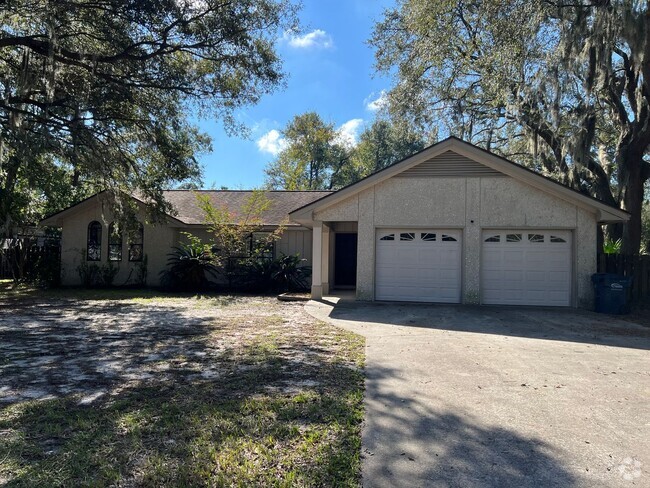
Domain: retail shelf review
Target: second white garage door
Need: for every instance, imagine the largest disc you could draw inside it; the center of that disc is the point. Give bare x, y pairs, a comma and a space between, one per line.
526, 267
418, 265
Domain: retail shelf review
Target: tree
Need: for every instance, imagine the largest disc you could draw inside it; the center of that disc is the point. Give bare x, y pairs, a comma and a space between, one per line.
238, 238
380, 145
96, 94
312, 159
561, 86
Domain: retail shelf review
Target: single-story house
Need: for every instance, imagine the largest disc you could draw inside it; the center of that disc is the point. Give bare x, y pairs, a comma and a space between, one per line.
453, 223
87, 231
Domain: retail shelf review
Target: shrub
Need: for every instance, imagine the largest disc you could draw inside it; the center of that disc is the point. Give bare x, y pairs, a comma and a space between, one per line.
95, 275
612, 247
190, 265
290, 275
284, 273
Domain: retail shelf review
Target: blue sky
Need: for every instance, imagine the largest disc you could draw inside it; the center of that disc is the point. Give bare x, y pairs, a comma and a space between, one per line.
330, 71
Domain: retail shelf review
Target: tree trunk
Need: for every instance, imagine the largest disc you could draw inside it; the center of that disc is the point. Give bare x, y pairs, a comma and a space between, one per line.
630, 174
6, 199
633, 203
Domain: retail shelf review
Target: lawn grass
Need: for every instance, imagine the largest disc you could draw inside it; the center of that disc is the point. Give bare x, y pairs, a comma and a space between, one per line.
285, 410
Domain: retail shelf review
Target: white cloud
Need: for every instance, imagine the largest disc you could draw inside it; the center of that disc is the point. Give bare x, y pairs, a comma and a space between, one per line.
272, 142
347, 135
316, 38
374, 103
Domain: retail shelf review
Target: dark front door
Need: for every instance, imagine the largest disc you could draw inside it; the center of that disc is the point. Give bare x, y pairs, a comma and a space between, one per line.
345, 260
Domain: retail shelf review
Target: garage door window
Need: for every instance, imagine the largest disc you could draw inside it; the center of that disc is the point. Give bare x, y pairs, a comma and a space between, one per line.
421, 265
526, 267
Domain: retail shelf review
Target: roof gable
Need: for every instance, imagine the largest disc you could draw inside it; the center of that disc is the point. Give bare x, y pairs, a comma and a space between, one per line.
440, 160
449, 163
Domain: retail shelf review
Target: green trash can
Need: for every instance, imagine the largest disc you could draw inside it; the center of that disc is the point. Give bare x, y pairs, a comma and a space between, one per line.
612, 293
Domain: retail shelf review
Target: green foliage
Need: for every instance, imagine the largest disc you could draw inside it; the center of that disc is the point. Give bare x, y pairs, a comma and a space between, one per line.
189, 267
31, 263
611, 246
558, 86
285, 273
240, 238
380, 145
315, 158
94, 275
312, 158
290, 274
96, 94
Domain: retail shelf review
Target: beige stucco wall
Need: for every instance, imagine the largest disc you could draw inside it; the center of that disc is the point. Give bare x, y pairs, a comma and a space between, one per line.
471, 204
158, 241
345, 211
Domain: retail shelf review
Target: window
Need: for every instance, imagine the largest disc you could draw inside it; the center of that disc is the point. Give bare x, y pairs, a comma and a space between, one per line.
535, 237
513, 237
136, 240
496, 238
557, 239
94, 242
114, 242
426, 236
407, 236
446, 238
389, 237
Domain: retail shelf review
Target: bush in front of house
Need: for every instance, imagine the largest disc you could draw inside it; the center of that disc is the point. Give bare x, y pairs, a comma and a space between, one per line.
190, 267
96, 276
282, 274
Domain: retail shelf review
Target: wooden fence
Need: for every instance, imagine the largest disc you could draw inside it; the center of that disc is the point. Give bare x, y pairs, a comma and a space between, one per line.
635, 266
30, 258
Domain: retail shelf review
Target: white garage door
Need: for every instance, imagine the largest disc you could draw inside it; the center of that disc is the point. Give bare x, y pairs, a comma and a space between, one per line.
418, 265
526, 267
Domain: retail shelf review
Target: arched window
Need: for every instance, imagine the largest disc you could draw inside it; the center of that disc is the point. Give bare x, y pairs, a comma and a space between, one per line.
114, 242
136, 243
94, 242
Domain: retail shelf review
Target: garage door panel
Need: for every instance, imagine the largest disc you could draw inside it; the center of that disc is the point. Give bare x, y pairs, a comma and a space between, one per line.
535, 270
422, 268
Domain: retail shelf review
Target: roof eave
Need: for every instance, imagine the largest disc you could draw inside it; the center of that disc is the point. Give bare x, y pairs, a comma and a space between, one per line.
605, 213
372, 179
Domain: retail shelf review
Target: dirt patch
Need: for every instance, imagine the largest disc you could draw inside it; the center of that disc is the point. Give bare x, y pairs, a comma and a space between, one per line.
161, 391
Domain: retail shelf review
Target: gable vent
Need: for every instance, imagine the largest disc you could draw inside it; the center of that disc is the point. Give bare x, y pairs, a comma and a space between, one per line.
448, 164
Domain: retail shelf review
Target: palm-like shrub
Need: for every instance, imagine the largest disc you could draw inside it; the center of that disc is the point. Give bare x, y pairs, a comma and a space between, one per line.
189, 268
289, 275
284, 273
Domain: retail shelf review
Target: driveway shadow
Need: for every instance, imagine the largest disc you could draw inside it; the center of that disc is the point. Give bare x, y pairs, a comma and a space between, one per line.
568, 325
409, 443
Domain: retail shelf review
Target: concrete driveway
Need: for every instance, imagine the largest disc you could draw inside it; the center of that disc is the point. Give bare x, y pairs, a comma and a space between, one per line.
494, 396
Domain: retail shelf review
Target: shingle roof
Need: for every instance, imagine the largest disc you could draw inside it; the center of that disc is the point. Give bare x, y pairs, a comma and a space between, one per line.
281, 203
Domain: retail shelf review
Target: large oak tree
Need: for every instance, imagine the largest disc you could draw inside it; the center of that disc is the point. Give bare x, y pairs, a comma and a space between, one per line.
96, 94
563, 86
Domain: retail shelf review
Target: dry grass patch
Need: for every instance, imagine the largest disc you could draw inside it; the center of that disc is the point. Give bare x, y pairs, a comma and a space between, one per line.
211, 391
